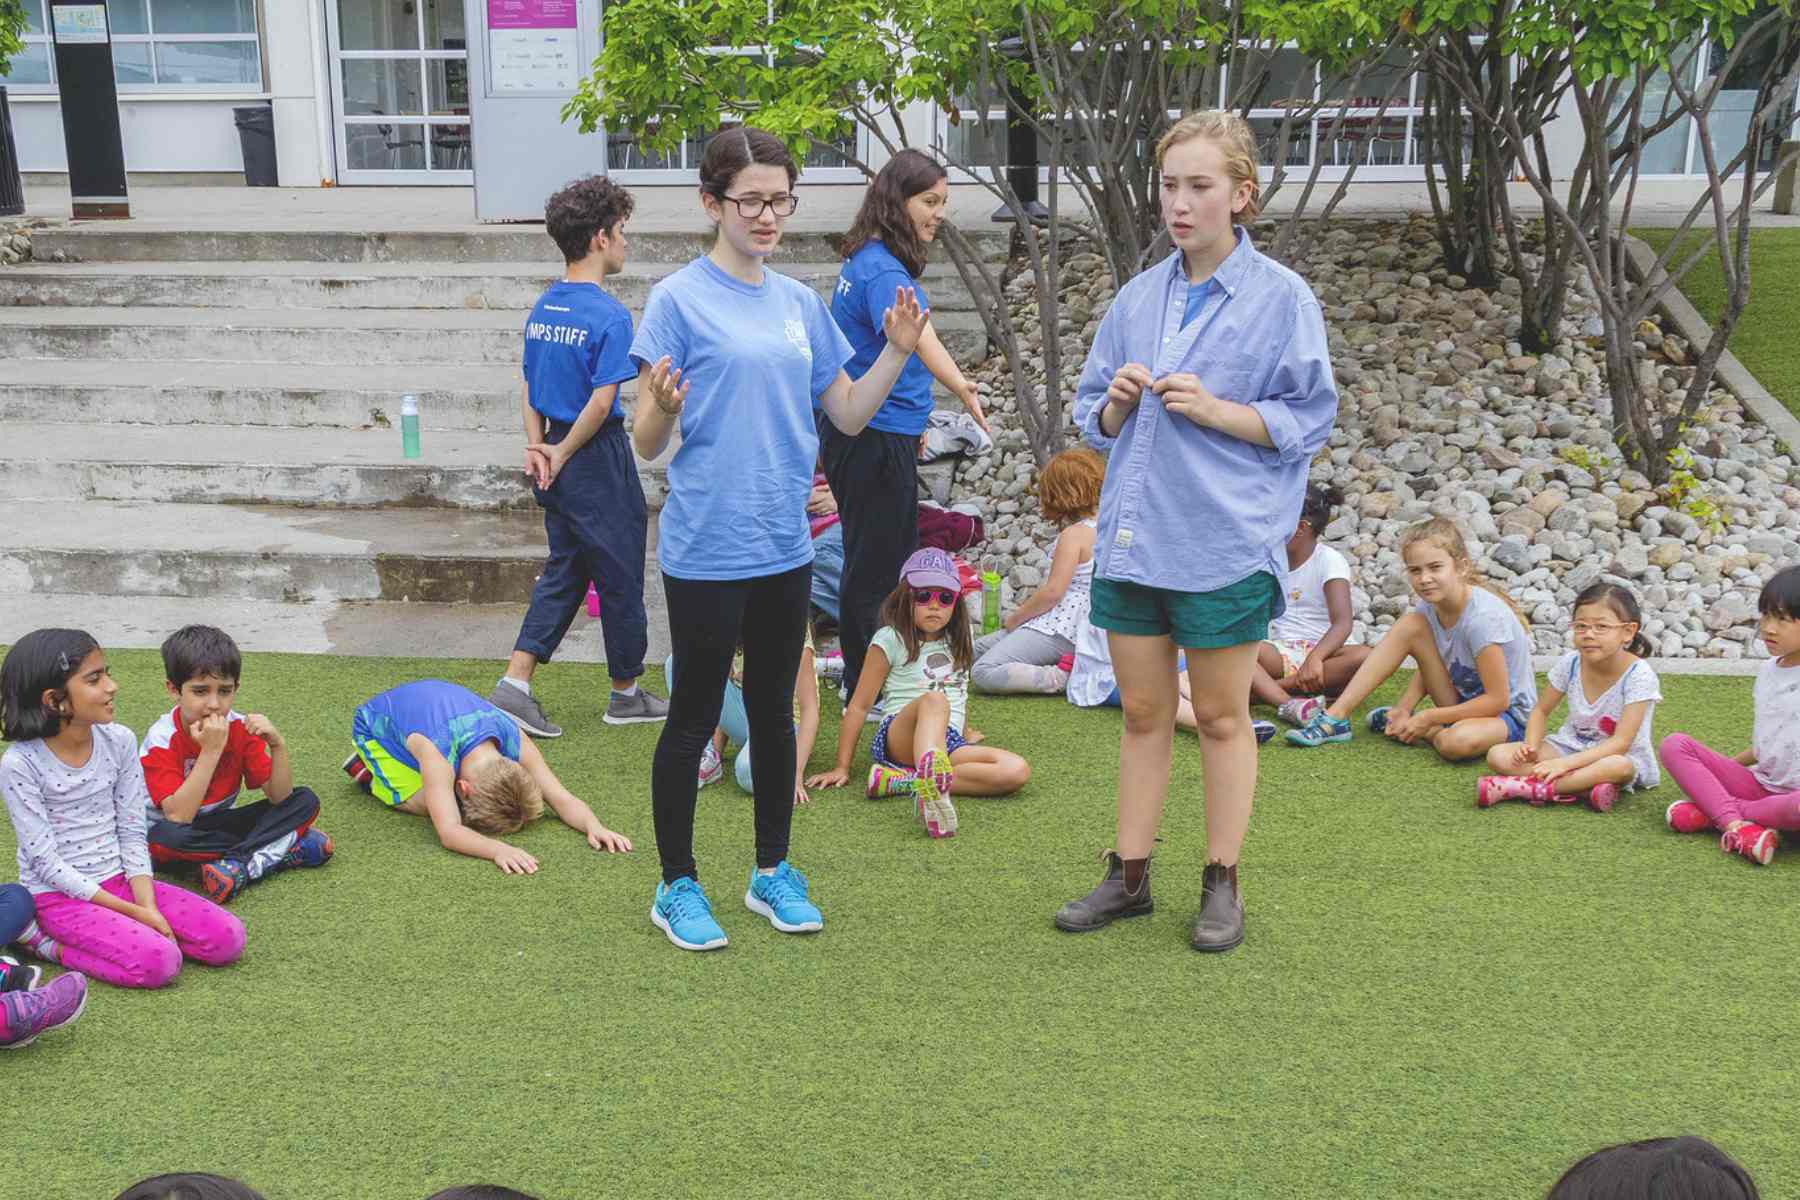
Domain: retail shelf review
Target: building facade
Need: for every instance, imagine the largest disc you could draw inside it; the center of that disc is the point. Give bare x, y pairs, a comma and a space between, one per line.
380, 92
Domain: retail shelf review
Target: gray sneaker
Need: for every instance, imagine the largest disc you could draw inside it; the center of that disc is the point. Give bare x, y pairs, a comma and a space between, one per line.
639, 708
523, 708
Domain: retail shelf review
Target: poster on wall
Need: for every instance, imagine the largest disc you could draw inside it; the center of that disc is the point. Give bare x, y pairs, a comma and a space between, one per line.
78, 24
532, 46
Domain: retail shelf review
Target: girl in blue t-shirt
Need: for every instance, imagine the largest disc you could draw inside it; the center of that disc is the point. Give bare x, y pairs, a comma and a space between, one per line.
1474, 688
738, 355
874, 472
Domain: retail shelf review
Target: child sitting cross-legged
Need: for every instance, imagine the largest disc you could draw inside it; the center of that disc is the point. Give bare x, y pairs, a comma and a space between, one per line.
437, 750
196, 758
920, 658
1605, 743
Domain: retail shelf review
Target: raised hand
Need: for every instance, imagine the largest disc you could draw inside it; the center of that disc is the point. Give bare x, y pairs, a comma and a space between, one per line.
668, 391
904, 324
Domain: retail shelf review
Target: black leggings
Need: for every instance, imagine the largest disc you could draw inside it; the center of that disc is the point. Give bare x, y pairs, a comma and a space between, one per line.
707, 618
875, 478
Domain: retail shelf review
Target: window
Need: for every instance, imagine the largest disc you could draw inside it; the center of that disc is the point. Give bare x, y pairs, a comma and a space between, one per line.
161, 45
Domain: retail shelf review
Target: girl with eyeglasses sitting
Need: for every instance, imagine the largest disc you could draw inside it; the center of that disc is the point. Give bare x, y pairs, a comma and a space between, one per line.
1604, 744
921, 658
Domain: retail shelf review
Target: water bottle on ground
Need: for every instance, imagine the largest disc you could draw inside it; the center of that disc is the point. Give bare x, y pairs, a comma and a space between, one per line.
409, 426
990, 601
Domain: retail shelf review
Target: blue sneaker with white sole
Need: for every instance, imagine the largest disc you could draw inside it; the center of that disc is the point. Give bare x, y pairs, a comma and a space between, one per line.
682, 911
781, 897
1378, 718
1264, 730
1320, 729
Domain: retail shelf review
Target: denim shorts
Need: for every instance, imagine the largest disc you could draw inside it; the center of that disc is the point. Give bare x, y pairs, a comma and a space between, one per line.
1233, 615
878, 749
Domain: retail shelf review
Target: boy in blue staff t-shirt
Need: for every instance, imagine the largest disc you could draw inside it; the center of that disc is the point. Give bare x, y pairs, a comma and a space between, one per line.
580, 462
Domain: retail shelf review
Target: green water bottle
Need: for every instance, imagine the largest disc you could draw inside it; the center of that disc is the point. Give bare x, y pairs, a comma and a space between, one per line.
409, 426
990, 601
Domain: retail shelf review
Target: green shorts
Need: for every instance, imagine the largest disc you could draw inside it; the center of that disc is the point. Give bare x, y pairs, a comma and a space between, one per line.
390, 781
1229, 616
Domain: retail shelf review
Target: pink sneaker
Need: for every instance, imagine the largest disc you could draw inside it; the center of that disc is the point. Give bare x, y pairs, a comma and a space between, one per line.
931, 789
1603, 796
1299, 710
26, 1015
1752, 841
1684, 816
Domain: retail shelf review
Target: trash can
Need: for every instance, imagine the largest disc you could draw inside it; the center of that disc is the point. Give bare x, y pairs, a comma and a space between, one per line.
256, 133
12, 186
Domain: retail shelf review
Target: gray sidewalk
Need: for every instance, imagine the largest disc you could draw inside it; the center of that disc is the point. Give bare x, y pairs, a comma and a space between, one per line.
824, 208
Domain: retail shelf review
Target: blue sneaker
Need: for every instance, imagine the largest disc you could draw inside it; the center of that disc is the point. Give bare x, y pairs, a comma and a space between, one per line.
1378, 718
1264, 730
1320, 728
312, 849
682, 911
781, 897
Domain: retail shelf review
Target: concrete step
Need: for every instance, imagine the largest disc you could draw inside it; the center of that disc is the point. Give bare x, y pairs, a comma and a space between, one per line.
147, 241
512, 287
222, 464
364, 628
276, 395
371, 336
285, 395
270, 552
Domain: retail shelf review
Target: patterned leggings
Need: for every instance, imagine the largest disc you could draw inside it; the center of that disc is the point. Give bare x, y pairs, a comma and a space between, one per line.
127, 953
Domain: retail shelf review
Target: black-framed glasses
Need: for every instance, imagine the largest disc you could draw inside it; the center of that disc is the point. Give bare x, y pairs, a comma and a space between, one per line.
944, 596
751, 207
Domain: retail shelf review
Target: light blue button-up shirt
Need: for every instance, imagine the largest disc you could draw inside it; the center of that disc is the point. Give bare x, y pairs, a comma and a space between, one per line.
1184, 506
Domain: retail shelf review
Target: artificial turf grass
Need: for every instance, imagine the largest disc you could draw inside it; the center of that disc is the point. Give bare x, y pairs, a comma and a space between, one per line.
1764, 339
1431, 1000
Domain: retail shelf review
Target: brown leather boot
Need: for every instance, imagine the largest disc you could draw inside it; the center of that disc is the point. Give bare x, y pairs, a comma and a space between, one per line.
1110, 901
1220, 925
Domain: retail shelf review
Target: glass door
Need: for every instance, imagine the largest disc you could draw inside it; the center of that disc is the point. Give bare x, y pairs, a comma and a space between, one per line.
400, 82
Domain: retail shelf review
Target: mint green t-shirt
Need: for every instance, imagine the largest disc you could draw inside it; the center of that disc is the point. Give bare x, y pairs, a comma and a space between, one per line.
934, 670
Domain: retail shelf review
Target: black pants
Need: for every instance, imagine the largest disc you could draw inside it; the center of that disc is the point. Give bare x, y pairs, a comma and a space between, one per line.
707, 620
875, 477
596, 520
236, 832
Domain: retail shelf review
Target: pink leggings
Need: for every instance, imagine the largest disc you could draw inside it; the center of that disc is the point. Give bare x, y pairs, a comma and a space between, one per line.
127, 953
1724, 788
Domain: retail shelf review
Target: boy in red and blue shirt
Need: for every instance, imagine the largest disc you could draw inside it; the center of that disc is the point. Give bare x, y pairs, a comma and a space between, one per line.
200, 755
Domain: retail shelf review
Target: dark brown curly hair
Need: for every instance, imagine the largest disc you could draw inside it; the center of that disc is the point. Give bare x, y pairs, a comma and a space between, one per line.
897, 610
590, 205
883, 213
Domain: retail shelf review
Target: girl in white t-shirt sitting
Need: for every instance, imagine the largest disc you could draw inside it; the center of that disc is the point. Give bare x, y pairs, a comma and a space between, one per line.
1029, 653
1604, 745
920, 660
1306, 654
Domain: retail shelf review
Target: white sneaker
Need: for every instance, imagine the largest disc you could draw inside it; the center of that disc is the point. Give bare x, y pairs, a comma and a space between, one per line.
1296, 712
712, 767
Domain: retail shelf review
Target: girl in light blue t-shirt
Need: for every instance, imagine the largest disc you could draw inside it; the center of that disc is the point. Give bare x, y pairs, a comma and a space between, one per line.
737, 355
1474, 688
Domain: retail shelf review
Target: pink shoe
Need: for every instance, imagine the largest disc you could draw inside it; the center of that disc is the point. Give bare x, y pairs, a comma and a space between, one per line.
1684, 816
1752, 841
1492, 789
26, 1015
1603, 797
1066, 664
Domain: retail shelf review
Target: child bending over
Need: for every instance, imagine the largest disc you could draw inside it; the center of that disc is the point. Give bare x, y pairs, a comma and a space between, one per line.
437, 750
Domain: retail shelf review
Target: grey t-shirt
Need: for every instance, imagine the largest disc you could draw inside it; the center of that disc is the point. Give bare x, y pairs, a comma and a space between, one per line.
1486, 621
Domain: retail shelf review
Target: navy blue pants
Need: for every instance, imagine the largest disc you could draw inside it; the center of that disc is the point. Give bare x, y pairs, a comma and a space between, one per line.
597, 523
16, 911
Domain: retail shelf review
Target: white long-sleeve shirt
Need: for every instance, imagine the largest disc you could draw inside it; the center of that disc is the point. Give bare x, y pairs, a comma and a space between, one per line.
77, 826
